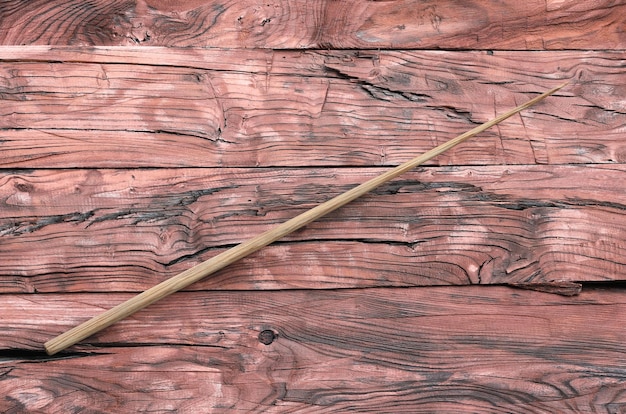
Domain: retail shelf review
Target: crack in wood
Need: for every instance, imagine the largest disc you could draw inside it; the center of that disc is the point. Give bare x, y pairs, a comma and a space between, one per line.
378, 92
22, 226
415, 186
36, 356
525, 204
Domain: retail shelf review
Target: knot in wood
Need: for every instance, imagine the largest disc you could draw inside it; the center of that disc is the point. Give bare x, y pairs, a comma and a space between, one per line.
267, 336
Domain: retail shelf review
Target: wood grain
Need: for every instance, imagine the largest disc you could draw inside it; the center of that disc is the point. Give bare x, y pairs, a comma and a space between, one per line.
295, 24
233, 102
125, 230
375, 350
335, 108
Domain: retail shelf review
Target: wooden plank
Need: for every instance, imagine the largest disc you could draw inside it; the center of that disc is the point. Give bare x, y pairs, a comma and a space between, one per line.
376, 350
124, 230
334, 108
296, 24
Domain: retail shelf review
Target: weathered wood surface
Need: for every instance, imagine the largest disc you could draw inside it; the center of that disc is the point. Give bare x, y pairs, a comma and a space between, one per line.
245, 119
295, 24
124, 230
63, 107
470, 349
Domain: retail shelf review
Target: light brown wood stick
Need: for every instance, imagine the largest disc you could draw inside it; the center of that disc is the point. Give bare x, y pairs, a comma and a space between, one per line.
230, 256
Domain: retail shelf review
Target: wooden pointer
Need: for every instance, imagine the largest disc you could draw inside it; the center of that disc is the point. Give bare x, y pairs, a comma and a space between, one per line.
230, 256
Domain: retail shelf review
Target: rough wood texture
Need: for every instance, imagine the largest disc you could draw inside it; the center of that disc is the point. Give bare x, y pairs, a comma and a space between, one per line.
256, 108
374, 350
124, 230
120, 166
295, 24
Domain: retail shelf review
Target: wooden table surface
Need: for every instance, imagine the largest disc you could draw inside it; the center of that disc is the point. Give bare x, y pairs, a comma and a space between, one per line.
139, 138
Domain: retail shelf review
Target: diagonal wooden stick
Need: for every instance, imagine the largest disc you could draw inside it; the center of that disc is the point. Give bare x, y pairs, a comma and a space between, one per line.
230, 256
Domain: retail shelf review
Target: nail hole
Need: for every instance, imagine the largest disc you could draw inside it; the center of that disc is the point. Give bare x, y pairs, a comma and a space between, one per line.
267, 336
